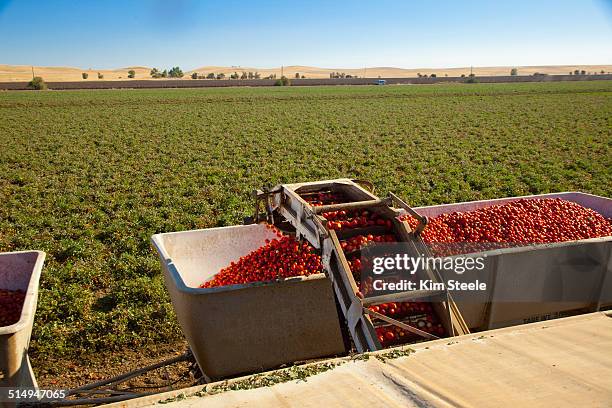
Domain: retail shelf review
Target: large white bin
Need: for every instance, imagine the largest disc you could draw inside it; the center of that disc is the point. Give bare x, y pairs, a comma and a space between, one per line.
531, 271
19, 271
245, 328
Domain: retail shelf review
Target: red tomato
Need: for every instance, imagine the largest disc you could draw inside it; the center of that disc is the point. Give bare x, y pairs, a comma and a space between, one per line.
522, 221
278, 258
11, 303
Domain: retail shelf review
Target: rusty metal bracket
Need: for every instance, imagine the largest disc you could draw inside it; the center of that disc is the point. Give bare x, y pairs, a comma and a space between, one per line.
265, 194
368, 185
423, 220
402, 325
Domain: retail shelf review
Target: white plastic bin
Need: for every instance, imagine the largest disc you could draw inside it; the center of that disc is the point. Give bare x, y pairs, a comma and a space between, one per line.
19, 271
245, 328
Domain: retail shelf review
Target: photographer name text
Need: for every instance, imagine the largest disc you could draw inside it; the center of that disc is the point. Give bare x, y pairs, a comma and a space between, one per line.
426, 284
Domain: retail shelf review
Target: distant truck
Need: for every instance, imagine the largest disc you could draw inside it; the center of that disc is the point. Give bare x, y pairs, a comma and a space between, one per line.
381, 82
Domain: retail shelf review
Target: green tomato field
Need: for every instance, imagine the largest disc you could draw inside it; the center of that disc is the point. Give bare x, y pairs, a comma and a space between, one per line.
89, 176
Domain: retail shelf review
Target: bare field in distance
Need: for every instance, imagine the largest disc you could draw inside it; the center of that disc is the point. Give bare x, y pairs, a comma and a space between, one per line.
21, 73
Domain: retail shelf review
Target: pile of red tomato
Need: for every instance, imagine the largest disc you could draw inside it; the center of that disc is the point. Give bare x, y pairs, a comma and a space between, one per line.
390, 335
399, 310
527, 221
11, 303
337, 220
416, 314
360, 241
279, 258
319, 199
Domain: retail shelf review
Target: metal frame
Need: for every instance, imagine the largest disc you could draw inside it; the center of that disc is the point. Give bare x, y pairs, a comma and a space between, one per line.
286, 200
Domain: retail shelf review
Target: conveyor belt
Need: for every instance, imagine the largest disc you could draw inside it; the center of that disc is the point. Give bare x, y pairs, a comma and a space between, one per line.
294, 203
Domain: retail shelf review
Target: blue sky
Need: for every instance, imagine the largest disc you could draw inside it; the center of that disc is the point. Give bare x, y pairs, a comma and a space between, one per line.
344, 34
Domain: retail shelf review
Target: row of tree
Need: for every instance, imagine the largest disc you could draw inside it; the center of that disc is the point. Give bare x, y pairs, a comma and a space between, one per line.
131, 74
221, 75
283, 81
174, 72
336, 75
242, 75
583, 72
235, 75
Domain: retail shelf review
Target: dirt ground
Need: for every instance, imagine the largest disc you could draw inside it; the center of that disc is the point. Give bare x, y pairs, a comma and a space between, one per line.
72, 373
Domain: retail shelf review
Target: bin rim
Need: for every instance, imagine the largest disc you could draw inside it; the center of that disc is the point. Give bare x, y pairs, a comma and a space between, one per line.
497, 201
156, 239
28, 309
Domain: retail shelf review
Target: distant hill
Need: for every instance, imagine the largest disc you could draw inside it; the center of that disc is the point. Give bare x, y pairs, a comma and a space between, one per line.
9, 73
59, 74
392, 72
